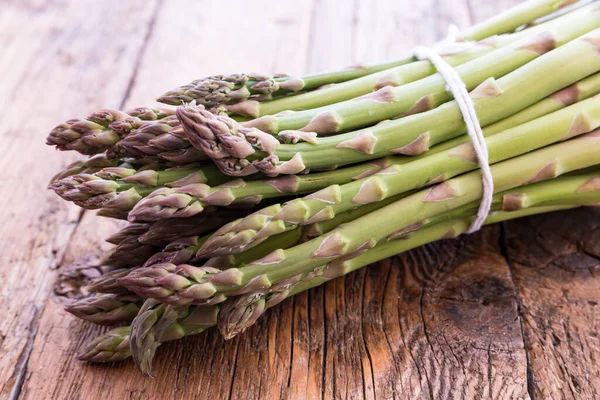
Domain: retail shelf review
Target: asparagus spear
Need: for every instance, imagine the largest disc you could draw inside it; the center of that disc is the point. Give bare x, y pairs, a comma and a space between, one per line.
122, 188
513, 18
155, 207
410, 135
156, 323
211, 287
108, 283
109, 347
233, 88
240, 314
106, 309
183, 250
430, 92
86, 166
192, 199
141, 133
400, 177
114, 345
165, 231
138, 243
453, 54
102, 129
130, 252
129, 231
569, 95
395, 76
163, 139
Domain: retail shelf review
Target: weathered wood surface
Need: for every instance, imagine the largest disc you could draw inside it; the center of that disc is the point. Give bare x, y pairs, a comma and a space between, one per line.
58, 58
489, 315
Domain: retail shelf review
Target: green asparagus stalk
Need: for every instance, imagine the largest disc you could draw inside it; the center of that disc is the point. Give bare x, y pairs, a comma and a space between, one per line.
453, 54
109, 347
122, 188
494, 100
143, 133
184, 250
155, 206
430, 92
178, 285
238, 315
513, 18
192, 199
163, 139
235, 88
165, 231
211, 287
397, 76
106, 309
129, 231
181, 249
130, 252
108, 283
138, 244
102, 129
156, 323
401, 177
114, 345
86, 166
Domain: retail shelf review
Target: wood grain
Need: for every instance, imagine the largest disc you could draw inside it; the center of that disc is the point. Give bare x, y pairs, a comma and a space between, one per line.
58, 58
453, 319
556, 263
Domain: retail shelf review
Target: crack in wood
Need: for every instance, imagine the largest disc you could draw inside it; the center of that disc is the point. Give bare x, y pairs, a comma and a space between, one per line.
362, 333
141, 53
502, 242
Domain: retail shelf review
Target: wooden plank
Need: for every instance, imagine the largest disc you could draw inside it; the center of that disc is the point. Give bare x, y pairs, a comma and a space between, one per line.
59, 59
555, 261
191, 41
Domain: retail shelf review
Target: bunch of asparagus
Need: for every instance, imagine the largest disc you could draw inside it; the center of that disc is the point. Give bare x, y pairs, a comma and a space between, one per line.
255, 188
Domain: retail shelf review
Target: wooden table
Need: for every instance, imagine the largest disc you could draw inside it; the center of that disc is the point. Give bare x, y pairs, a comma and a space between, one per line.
510, 312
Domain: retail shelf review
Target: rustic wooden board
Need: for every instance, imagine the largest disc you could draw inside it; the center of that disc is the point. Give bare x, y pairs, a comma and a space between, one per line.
58, 58
450, 320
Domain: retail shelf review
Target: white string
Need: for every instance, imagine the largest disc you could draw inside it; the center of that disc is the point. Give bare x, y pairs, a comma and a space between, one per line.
458, 89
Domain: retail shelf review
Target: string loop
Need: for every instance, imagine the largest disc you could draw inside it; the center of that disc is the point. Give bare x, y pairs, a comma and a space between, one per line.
457, 87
